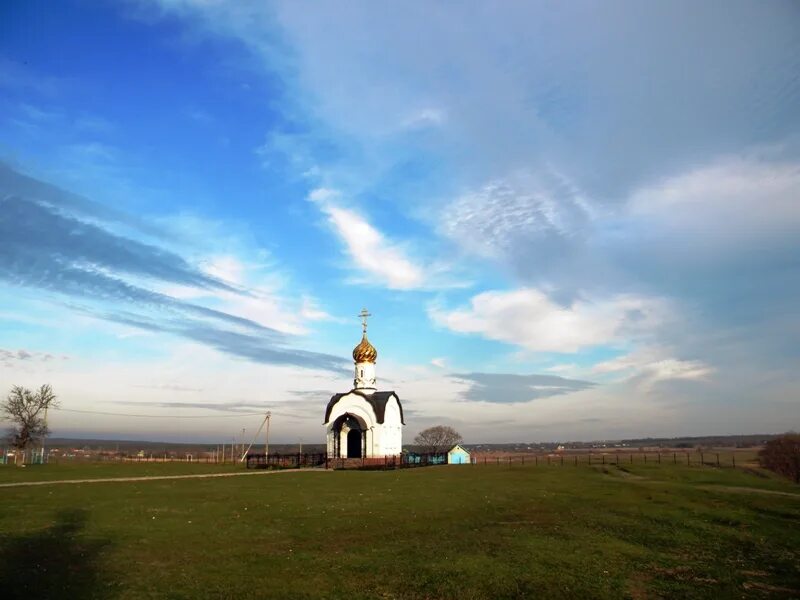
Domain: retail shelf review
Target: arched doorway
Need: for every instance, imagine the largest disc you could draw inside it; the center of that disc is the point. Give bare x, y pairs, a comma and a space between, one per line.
354, 443
349, 437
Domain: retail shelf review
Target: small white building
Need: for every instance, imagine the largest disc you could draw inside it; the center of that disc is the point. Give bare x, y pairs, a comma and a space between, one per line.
458, 456
364, 422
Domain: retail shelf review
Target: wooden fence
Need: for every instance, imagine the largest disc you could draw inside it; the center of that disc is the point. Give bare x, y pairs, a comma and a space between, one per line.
407, 460
711, 459
289, 461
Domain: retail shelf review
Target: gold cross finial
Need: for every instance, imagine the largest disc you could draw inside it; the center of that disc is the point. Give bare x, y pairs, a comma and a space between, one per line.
364, 314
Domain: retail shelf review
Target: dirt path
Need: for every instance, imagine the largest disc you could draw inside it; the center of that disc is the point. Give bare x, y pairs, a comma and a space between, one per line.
158, 477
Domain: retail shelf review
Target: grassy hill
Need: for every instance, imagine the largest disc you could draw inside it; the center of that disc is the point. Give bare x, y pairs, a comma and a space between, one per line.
439, 532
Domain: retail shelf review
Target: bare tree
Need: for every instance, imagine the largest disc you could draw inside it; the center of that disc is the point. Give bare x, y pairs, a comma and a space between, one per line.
27, 411
438, 439
782, 455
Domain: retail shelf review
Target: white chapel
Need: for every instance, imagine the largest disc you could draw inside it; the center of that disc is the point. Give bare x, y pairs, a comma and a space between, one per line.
364, 422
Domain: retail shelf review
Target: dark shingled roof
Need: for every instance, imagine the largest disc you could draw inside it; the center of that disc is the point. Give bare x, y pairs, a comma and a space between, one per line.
377, 400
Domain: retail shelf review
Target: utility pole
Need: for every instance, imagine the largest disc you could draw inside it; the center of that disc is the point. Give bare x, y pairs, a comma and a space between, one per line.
266, 445
255, 437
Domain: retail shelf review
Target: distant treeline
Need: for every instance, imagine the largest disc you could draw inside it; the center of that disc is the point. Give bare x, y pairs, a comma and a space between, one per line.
735, 441
133, 446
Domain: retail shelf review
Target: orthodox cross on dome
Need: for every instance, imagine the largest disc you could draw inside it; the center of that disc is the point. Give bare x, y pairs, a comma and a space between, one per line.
364, 352
364, 314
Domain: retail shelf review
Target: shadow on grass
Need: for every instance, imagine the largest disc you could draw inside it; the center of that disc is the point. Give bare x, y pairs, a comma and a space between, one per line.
55, 563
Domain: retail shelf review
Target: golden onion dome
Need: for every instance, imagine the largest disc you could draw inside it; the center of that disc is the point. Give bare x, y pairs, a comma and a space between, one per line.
365, 352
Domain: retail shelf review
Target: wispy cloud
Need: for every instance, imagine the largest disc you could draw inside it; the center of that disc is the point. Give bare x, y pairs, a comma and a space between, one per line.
40, 239
170, 387
523, 212
510, 388
16, 185
226, 407
528, 318
294, 150
110, 276
9, 357
312, 395
425, 117
648, 366
309, 309
731, 201
379, 258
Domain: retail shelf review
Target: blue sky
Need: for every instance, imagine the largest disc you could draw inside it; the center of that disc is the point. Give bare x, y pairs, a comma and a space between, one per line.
572, 221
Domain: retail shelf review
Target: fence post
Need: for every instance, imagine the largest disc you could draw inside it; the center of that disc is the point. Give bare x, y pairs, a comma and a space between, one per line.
604, 459
674, 458
718, 460
616, 456
659, 458
645, 458
536, 460
631, 458
590, 458
484, 461
576, 460
733, 456
702, 461
687, 460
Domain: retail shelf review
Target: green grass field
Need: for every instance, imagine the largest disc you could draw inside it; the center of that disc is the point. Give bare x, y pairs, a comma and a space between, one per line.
438, 532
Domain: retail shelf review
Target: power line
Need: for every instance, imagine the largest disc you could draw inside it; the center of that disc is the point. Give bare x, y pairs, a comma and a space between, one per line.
113, 414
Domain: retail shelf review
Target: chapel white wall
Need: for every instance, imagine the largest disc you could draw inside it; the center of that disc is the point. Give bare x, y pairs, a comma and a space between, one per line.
384, 439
